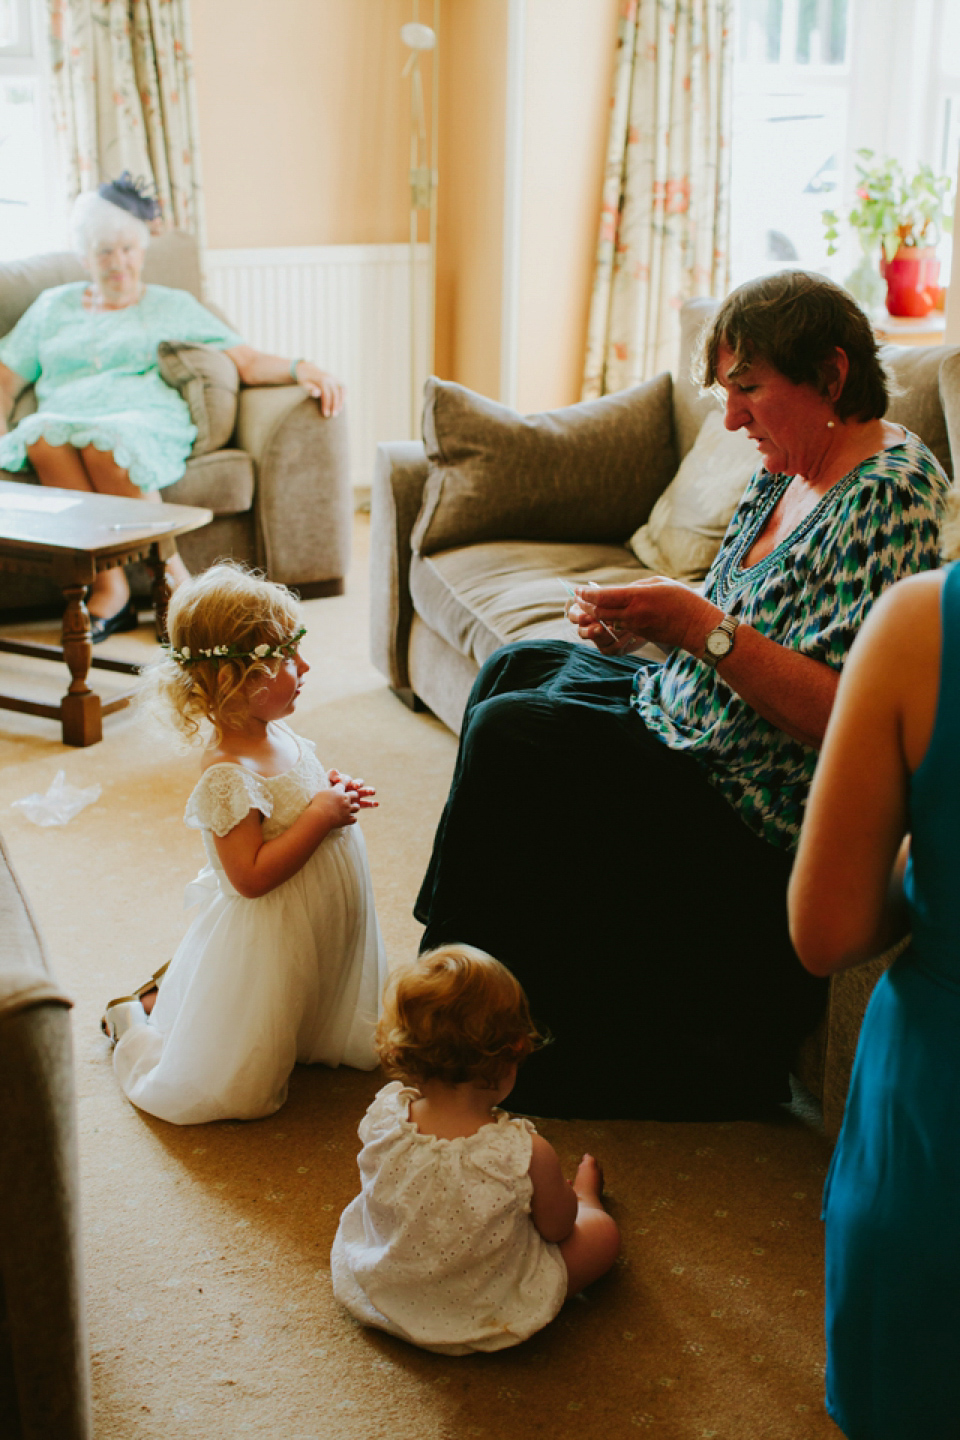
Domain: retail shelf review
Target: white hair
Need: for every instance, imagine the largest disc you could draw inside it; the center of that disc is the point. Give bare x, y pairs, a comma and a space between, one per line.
95, 221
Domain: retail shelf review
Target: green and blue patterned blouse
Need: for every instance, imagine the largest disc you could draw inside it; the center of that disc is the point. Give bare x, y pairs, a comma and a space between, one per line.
811, 594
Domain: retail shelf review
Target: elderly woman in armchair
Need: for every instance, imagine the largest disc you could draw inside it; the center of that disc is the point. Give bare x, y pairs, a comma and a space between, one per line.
621, 832
106, 419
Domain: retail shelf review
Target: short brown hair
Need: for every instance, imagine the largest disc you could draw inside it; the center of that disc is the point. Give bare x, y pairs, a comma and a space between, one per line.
455, 1015
795, 321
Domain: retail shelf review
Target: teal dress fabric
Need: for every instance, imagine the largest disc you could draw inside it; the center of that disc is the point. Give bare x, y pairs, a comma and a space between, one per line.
812, 594
97, 381
892, 1199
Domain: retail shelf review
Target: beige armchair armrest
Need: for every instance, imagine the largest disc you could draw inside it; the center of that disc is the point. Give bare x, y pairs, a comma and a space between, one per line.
303, 500
399, 477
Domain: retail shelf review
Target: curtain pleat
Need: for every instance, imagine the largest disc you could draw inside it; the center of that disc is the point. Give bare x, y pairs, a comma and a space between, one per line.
665, 209
124, 99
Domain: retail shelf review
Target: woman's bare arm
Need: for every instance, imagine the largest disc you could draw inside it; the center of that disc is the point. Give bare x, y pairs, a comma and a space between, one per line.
846, 895
10, 386
255, 367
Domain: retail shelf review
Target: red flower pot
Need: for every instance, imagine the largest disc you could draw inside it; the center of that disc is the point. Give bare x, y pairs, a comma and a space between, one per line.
912, 278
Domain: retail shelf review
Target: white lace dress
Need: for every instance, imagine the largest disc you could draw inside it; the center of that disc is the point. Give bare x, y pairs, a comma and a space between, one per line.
256, 985
439, 1247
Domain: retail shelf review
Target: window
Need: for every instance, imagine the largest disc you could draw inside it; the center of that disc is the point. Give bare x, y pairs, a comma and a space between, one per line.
814, 81
30, 212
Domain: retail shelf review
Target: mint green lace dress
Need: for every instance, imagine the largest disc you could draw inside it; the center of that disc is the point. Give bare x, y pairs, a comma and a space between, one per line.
97, 381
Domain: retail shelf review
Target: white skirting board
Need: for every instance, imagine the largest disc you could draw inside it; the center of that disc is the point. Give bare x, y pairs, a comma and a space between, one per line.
348, 308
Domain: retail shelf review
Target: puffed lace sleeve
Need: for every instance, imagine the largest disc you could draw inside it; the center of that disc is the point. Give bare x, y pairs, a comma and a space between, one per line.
224, 795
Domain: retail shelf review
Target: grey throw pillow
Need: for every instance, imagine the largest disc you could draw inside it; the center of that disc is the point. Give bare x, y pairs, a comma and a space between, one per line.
690, 519
588, 472
208, 381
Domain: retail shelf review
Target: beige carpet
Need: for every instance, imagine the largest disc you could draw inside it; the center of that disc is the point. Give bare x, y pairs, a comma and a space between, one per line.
207, 1248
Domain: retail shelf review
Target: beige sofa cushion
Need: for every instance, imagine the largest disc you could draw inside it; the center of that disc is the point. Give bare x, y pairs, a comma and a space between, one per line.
690, 519
208, 381
588, 473
479, 597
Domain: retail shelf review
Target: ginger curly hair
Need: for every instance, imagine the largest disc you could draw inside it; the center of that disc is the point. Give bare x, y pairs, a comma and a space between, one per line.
455, 1015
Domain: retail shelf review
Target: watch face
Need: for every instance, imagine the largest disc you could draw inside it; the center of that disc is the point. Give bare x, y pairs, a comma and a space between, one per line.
718, 642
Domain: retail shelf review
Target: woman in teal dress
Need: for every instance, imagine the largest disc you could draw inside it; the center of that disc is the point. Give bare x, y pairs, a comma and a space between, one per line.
106, 420
890, 769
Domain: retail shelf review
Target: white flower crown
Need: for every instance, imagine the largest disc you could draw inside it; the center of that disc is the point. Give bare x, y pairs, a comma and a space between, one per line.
186, 656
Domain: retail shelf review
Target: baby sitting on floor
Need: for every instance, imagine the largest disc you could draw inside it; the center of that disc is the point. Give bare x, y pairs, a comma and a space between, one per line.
465, 1235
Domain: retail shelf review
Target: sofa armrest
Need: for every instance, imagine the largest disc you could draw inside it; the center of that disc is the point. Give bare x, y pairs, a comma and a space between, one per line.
399, 477
303, 500
43, 1340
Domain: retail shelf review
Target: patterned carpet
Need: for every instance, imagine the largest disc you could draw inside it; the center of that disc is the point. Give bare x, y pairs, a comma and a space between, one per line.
210, 1309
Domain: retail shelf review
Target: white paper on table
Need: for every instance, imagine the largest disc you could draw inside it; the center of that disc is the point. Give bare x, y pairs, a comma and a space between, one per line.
48, 504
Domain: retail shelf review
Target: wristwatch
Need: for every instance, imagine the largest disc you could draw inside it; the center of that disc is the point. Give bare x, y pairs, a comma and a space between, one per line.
719, 642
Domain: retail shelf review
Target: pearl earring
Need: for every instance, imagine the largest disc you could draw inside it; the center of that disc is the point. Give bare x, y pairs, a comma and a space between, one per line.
831, 424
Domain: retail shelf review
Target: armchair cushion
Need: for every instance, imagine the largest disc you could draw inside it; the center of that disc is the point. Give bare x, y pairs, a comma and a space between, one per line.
690, 518
208, 381
587, 473
223, 481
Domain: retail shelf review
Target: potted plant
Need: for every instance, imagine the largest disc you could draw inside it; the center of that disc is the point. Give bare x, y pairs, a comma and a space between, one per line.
907, 217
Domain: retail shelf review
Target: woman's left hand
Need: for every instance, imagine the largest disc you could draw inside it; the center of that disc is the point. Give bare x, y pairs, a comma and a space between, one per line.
322, 386
620, 617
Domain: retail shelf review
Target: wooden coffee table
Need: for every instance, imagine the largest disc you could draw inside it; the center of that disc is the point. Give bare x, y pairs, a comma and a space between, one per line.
68, 536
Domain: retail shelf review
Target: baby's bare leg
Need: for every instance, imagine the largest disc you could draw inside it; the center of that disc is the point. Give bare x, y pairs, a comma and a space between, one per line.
594, 1244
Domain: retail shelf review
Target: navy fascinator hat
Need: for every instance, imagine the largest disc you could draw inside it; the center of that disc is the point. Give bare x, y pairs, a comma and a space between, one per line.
132, 195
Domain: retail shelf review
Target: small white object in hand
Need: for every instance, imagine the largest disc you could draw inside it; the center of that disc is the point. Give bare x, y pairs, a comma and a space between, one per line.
60, 804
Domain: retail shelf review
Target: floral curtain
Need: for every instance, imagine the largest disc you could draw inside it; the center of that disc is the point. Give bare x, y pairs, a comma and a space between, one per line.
124, 98
664, 221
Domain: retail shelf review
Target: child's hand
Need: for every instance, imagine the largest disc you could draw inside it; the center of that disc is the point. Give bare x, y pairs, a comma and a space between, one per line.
338, 806
364, 793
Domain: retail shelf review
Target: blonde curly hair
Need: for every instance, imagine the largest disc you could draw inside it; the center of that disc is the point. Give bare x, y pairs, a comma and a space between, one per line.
226, 605
455, 1015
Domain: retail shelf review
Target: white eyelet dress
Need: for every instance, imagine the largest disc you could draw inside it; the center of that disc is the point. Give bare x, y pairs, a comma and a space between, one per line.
256, 985
439, 1247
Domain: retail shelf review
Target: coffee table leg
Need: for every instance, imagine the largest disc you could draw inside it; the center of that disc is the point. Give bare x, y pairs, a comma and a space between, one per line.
80, 715
161, 590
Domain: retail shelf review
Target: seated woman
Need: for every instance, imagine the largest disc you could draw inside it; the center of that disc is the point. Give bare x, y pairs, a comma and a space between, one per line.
891, 763
621, 832
106, 419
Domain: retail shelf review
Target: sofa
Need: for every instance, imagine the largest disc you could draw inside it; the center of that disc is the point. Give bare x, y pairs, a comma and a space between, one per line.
44, 1362
274, 472
474, 531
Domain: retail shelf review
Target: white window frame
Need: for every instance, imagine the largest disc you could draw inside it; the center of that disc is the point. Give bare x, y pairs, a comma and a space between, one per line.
898, 93
28, 56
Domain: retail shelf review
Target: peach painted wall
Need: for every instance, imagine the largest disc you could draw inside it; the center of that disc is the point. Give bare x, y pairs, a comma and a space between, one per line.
303, 120
473, 81
304, 130
569, 56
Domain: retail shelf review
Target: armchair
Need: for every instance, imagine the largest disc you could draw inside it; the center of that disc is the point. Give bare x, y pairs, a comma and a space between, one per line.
279, 489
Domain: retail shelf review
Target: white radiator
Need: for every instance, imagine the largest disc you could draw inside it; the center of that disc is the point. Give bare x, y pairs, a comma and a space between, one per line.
348, 308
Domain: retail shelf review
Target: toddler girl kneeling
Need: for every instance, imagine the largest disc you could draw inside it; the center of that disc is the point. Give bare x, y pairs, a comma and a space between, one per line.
284, 960
465, 1235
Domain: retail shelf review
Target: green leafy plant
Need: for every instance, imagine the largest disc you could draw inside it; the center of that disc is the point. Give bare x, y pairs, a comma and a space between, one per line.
892, 208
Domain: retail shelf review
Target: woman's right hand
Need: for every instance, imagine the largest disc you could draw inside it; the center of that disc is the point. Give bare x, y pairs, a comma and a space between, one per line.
618, 617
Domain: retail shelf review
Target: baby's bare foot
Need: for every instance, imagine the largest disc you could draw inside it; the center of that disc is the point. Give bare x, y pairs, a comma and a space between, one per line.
588, 1181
